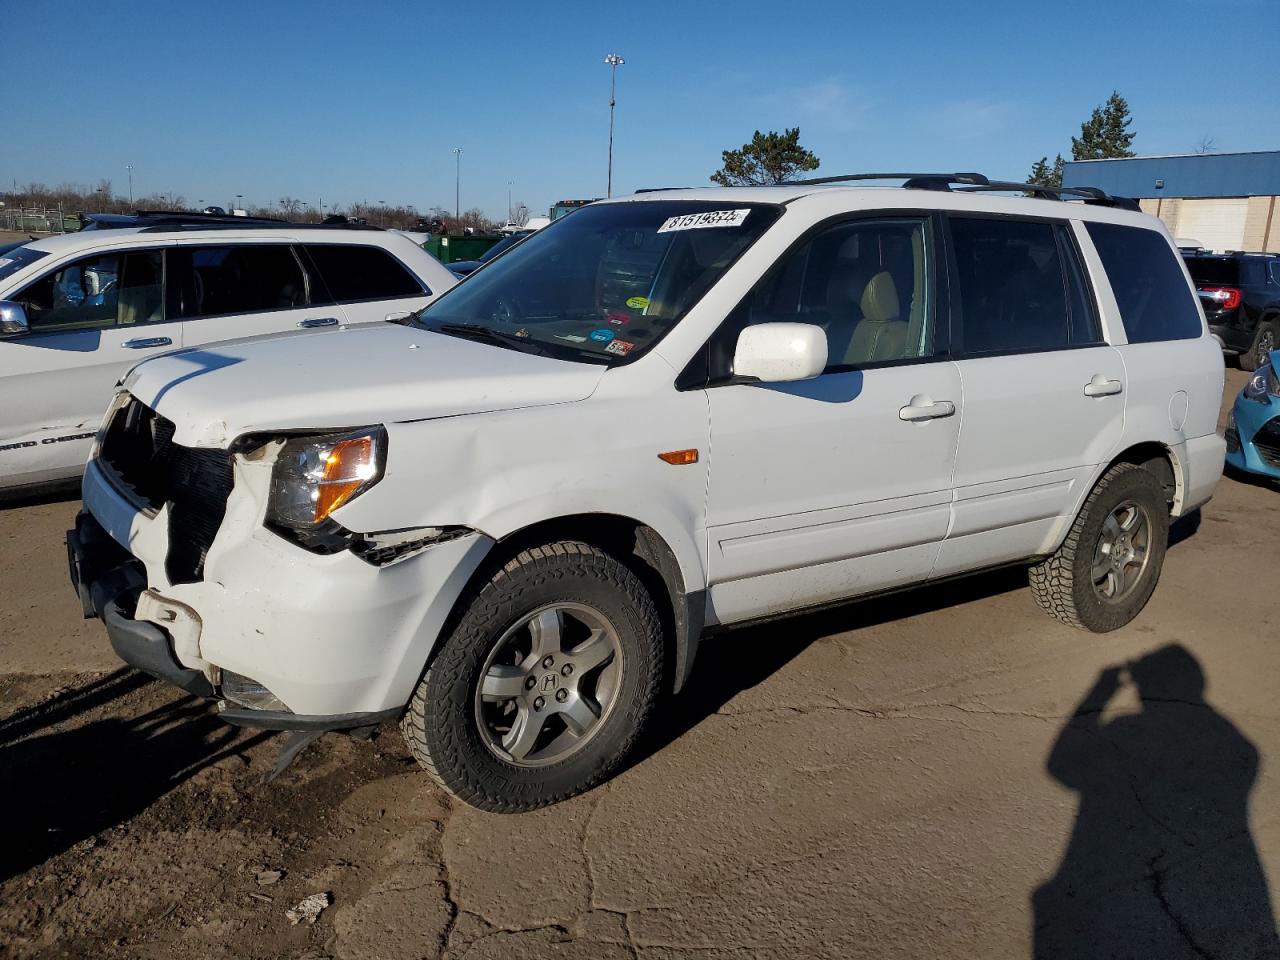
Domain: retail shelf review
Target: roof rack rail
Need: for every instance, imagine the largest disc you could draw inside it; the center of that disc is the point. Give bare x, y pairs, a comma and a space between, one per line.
180, 224
914, 181
1090, 195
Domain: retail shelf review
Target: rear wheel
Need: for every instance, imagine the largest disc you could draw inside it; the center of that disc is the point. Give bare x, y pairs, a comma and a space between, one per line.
1106, 569
1264, 341
544, 685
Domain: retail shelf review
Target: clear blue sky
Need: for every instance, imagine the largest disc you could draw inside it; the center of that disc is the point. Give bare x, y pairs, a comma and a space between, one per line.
365, 100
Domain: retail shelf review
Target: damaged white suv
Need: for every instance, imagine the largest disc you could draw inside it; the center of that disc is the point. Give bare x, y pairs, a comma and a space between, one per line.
507, 521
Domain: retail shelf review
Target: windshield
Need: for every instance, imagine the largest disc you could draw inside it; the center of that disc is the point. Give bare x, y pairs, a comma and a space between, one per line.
604, 284
15, 258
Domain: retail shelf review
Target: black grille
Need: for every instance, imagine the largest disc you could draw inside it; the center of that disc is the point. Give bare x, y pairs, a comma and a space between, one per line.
139, 451
1233, 440
1267, 442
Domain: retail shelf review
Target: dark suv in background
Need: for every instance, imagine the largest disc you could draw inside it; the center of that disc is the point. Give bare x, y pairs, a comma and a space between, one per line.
1240, 293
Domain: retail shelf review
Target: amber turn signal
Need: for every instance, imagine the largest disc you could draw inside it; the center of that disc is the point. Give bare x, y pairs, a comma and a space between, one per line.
346, 469
679, 457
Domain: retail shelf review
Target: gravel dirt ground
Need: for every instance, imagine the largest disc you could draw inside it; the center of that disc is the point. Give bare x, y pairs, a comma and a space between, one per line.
941, 773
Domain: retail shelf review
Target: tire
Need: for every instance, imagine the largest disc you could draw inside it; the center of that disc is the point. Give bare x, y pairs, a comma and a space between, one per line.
449, 724
1064, 585
1258, 353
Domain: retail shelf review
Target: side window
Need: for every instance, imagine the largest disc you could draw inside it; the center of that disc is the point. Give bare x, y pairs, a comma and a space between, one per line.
1013, 291
233, 279
1151, 291
354, 273
98, 292
1275, 272
867, 283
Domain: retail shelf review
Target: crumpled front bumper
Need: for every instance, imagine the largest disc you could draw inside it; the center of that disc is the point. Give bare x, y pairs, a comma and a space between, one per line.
339, 642
108, 581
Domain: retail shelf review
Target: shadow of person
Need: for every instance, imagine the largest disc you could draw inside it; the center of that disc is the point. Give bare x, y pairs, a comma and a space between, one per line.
1161, 862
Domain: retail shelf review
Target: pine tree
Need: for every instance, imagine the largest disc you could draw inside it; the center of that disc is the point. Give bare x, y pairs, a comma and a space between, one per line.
1106, 133
768, 159
1046, 175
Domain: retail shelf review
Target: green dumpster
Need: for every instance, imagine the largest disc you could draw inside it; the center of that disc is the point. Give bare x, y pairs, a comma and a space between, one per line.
447, 249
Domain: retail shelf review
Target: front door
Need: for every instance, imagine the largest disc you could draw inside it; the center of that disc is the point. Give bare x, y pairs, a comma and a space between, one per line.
1043, 393
91, 320
841, 485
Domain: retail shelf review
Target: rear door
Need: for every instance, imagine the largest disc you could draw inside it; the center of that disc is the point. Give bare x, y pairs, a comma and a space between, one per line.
243, 288
841, 485
369, 283
91, 320
1044, 395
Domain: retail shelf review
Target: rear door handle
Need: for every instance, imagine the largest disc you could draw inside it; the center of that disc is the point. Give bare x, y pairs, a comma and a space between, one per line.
319, 322
143, 343
922, 408
1100, 386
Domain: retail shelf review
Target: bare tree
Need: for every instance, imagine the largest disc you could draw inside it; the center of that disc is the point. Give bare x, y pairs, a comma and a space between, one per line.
1207, 145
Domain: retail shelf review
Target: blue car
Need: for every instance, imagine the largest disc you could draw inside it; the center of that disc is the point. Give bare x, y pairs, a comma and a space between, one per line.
1253, 432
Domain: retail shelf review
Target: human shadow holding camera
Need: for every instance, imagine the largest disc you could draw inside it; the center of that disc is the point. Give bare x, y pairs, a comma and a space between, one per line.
1161, 862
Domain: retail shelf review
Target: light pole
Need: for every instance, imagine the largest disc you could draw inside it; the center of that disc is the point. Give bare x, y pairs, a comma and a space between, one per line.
129, 167
382, 214
239, 197
509, 183
614, 62
457, 184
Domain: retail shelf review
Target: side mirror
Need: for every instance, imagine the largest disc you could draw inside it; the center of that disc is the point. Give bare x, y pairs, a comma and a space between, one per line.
13, 319
779, 352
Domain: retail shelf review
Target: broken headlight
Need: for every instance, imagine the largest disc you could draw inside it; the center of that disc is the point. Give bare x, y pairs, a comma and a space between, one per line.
315, 474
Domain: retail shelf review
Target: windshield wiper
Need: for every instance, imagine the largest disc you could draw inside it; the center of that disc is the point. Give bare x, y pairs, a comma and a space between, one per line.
473, 331
559, 351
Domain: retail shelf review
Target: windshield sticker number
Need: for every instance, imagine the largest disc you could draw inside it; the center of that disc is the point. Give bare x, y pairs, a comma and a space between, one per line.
620, 347
619, 319
602, 335
637, 303
699, 221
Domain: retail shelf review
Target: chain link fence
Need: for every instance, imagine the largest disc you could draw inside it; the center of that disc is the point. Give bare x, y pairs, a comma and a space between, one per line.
37, 220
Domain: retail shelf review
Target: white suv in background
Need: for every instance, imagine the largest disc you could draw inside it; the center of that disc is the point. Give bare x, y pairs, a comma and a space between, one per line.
507, 522
76, 311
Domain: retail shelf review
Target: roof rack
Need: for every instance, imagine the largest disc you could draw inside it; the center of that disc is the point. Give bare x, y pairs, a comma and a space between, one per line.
914, 181
1090, 195
178, 224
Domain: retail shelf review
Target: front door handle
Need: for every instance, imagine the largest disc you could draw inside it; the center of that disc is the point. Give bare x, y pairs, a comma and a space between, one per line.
143, 343
921, 407
1100, 386
319, 322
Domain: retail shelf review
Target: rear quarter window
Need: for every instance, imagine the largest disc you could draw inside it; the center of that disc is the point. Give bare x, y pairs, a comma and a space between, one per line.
1151, 291
354, 273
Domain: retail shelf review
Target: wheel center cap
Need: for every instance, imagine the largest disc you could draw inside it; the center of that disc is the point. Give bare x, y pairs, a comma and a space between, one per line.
548, 683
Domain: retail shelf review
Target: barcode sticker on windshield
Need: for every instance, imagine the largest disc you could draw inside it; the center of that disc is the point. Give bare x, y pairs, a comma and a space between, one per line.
712, 218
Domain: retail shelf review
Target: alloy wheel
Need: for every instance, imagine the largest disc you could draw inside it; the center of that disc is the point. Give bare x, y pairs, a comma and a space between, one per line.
1121, 554
548, 684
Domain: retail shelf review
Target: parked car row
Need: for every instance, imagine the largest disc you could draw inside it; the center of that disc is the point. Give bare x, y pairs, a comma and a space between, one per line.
78, 310
507, 521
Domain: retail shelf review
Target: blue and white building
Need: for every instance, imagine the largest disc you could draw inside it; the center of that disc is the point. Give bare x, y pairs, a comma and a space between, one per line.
1226, 201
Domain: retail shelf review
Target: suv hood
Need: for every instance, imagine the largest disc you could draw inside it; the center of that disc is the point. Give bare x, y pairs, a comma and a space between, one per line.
346, 378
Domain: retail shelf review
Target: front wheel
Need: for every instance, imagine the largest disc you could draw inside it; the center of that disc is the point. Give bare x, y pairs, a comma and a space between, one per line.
1106, 569
545, 683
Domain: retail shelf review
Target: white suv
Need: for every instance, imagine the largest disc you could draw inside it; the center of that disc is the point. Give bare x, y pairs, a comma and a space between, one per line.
77, 311
508, 521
